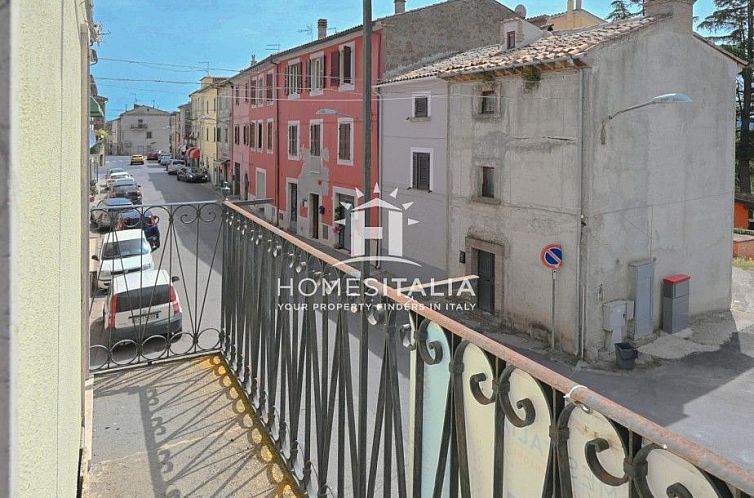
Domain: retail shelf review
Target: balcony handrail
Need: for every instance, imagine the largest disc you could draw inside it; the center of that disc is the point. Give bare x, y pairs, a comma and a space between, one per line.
682, 447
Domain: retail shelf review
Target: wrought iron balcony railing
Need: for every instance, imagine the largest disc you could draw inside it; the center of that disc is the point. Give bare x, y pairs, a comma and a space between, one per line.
365, 392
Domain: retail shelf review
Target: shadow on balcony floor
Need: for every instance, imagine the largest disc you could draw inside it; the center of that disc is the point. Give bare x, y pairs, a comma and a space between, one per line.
176, 430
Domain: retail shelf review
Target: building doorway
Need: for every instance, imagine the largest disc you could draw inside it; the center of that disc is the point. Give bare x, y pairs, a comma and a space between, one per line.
344, 236
292, 207
314, 215
486, 284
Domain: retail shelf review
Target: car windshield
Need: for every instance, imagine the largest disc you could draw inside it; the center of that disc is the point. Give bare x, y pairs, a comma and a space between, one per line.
125, 248
144, 297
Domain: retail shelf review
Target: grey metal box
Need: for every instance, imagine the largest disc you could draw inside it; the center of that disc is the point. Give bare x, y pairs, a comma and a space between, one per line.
675, 313
642, 290
675, 290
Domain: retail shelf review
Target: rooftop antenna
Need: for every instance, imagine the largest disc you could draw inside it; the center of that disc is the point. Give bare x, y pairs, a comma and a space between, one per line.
308, 29
206, 64
273, 47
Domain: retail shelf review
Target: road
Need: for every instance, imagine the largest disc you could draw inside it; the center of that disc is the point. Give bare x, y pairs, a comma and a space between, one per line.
189, 250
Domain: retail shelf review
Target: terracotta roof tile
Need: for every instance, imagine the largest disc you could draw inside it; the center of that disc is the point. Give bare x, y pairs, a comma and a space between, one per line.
551, 47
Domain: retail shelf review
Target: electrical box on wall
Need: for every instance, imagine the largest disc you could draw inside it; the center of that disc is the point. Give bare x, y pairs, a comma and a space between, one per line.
642, 292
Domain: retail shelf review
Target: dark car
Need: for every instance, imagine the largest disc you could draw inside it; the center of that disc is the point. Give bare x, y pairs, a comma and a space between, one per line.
153, 156
182, 172
127, 191
136, 218
105, 213
197, 176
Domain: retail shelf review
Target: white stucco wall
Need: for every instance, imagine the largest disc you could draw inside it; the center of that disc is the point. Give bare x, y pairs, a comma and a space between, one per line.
533, 144
400, 133
662, 185
47, 196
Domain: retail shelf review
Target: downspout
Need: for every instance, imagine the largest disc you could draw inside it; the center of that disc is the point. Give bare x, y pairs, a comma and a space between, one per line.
380, 110
583, 251
276, 142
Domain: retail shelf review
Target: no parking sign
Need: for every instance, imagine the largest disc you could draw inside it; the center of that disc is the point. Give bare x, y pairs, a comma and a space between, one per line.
552, 256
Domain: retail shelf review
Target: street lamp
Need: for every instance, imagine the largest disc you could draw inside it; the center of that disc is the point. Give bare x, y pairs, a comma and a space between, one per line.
667, 98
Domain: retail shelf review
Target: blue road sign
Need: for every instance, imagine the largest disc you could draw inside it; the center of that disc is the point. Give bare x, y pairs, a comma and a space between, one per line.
552, 256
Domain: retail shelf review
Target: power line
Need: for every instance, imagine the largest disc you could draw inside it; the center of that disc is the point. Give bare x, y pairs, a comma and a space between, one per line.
168, 64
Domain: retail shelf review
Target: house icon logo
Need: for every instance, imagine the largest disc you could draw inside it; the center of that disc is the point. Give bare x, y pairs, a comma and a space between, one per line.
393, 216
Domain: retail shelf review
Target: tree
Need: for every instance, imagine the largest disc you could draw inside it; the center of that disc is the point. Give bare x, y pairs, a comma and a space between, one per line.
734, 21
623, 9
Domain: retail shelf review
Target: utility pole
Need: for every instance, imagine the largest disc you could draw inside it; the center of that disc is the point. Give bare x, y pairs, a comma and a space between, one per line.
367, 154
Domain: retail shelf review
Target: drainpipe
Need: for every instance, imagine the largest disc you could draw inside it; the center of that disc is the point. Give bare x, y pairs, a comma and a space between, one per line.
583, 251
276, 142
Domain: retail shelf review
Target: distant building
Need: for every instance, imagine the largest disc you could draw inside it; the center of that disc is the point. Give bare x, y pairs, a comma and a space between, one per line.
141, 130
572, 18
175, 133
204, 123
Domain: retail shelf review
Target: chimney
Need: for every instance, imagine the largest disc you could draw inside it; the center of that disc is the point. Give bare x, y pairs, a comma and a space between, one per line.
681, 12
578, 4
321, 29
400, 6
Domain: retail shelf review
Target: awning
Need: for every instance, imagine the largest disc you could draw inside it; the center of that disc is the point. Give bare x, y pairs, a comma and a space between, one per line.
193, 153
95, 110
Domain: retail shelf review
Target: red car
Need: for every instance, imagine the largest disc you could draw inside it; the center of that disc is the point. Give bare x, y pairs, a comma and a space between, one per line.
153, 156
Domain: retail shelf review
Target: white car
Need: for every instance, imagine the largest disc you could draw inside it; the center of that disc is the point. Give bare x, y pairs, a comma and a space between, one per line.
142, 305
165, 159
120, 252
111, 171
174, 166
118, 175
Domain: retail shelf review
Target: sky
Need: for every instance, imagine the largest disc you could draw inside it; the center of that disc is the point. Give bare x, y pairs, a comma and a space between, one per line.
178, 40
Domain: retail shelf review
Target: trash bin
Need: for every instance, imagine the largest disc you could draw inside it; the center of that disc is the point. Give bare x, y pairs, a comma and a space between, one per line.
675, 303
625, 355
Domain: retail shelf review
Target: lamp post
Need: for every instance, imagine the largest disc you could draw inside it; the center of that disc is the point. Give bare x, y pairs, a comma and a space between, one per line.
667, 98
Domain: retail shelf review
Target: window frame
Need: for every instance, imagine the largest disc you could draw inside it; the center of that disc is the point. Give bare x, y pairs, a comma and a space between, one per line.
259, 134
256, 182
297, 156
293, 79
421, 150
482, 182
419, 95
345, 162
319, 123
342, 86
317, 85
270, 135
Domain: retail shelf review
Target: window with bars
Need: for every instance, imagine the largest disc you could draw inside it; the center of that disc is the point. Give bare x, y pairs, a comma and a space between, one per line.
269, 136
315, 139
488, 102
293, 140
421, 106
488, 182
420, 171
344, 142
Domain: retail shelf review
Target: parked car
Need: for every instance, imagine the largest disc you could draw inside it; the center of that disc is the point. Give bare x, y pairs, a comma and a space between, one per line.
114, 170
153, 156
196, 176
129, 190
106, 211
174, 165
137, 159
165, 159
143, 219
142, 305
118, 175
120, 252
182, 172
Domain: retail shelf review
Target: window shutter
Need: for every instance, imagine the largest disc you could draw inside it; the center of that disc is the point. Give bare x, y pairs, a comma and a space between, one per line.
335, 68
253, 91
286, 77
347, 77
269, 88
308, 83
300, 77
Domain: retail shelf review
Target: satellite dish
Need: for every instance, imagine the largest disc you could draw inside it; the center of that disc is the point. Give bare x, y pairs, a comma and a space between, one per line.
521, 10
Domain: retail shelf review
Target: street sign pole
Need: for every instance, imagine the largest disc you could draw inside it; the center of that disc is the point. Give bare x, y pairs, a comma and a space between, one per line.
552, 316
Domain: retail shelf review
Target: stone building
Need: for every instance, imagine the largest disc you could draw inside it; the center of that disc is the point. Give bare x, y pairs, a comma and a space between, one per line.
542, 154
143, 129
